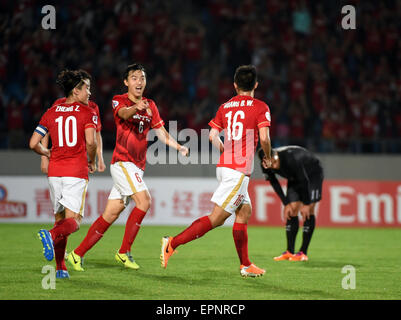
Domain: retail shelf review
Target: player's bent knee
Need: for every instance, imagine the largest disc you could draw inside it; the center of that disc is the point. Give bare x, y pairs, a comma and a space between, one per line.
145, 204
243, 214
218, 216
142, 200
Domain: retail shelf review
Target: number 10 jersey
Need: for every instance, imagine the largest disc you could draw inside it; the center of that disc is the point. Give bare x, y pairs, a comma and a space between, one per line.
66, 124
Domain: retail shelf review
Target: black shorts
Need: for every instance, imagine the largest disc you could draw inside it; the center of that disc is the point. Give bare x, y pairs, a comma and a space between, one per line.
295, 189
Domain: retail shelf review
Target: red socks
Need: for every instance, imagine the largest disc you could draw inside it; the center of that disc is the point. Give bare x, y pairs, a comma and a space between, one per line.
196, 230
95, 233
59, 252
131, 229
64, 228
240, 235
59, 249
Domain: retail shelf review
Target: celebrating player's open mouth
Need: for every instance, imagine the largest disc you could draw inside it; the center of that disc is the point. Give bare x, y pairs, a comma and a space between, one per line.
138, 91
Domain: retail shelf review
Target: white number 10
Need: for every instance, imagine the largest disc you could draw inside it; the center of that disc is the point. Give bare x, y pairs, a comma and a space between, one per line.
235, 131
70, 141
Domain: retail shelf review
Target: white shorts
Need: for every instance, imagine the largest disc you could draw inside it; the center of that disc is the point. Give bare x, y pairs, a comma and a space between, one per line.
68, 192
232, 190
127, 178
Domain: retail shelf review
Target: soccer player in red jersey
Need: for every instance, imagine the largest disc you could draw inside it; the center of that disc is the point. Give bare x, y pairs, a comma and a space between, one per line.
244, 119
71, 126
134, 116
99, 152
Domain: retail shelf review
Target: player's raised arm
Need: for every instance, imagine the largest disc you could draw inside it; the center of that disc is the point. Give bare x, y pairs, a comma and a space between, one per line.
127, 112
166, 138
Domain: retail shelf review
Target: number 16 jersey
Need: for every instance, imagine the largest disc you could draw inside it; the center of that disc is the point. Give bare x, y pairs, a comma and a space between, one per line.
66, 124
240, 118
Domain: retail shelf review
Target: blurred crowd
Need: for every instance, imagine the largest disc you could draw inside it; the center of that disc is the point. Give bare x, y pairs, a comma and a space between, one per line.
329, 89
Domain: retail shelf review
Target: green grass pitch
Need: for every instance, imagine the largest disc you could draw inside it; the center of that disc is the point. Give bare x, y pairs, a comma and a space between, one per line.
208, 268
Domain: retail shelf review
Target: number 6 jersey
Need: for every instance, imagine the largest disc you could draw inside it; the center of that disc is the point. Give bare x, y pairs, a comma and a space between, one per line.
240, 118
66, 124
131, 142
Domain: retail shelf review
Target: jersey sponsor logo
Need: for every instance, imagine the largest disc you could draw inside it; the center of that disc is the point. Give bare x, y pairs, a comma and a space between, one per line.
141, 117
115, 103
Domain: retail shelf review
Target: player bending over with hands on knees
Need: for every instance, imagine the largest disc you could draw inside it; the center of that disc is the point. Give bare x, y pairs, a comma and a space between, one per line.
304, 174
71, 126
244, 119
134, 116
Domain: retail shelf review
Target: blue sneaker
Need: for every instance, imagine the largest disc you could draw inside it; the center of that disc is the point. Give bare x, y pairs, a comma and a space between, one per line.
47, 242
62, 274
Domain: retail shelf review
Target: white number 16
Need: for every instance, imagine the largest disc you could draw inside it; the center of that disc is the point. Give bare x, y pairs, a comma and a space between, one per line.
235, 131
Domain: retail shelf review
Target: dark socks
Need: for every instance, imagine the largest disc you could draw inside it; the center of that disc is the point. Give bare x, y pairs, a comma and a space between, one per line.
309, 226
291, 228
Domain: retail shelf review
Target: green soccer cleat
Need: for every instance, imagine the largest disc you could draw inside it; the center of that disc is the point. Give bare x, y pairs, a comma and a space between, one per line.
76, 261
127, 260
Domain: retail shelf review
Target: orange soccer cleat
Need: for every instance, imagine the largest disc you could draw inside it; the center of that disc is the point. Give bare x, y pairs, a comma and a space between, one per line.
286, 255
167, 251
251, 271
299, 256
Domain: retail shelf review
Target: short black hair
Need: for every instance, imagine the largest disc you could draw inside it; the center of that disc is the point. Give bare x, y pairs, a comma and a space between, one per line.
245, 77
69, 79
133, 67
85, 75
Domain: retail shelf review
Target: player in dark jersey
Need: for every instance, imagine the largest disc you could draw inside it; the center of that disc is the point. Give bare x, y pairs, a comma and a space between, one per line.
304, 174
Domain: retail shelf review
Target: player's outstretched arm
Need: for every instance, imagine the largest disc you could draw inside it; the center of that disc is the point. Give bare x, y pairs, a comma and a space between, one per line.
166, 138
35, 145
215, 140
127, 112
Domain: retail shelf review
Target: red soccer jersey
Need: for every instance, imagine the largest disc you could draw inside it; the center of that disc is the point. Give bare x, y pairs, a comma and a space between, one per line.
131, 142
66, 124
91, 104
240, 118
